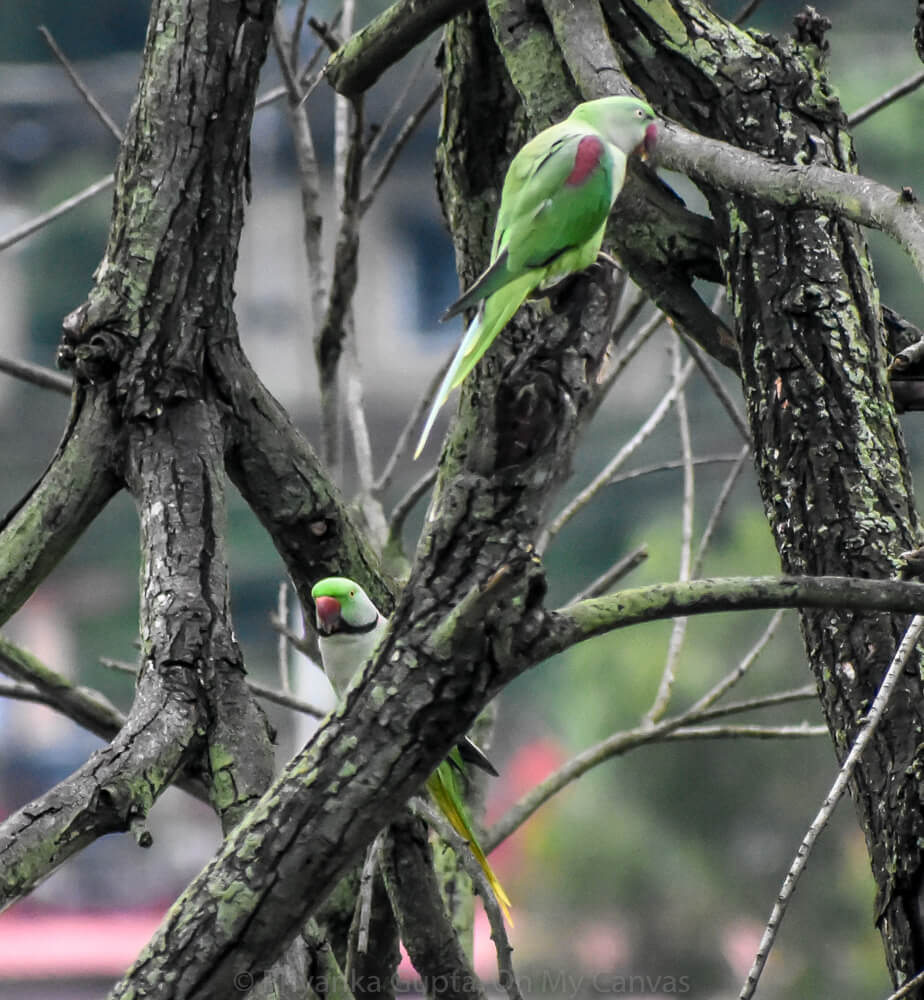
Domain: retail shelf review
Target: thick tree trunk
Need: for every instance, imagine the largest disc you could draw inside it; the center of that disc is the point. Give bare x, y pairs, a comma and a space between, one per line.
830, 459
810, 345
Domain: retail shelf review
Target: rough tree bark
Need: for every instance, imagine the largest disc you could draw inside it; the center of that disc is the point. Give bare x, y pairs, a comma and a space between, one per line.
829, 454
165, 401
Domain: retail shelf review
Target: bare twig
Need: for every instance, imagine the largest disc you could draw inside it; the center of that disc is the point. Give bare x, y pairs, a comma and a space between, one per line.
364, 897
619, 744
579, 502
382, 129
62, 208
749, 659
400, 142
884, 100
615, 573
506, 975
679, 629
78, 83
719, 508
369, 503
642, 336
309, 78
410, 426
356, 420
406, 504
307, 85
705, 366
296, 42
706, 714
282, 644
46, 378
302, 643
669, 466
906, 990
746, 11
260, 690
865, 733
323, 30
749, 732
309, 176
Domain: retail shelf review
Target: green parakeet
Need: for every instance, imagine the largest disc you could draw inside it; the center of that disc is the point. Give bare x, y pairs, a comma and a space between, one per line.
556, 198
349, 628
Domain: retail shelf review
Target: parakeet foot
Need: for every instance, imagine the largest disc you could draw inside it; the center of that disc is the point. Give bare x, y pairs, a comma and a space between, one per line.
553, 291
611, 262
561, 289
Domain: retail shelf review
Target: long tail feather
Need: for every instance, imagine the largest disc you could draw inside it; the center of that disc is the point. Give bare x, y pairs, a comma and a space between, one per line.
496, 276
497, 312
441, 785
446, 385
492, 316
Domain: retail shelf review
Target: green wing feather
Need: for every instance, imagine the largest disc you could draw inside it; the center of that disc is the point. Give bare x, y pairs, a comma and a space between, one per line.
443, 788
545, 229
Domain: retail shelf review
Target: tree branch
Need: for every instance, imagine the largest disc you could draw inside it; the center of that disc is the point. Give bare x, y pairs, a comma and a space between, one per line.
866, 730
884, 100
46, 378
355, 66
280, 477
580, 501
74, 488
859, 199
427, 933
679, 628
117, 784
668, 600
78, 704
624, 742
81, 87
62, 208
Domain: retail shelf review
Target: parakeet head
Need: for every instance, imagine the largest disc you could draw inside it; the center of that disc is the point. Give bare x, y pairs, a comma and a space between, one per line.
625, 122
342, 607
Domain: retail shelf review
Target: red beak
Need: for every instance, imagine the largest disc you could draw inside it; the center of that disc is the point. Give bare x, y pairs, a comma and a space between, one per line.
650, 141
328, 614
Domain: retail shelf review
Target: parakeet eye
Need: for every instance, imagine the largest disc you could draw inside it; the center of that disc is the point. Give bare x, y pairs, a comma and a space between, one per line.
352, 593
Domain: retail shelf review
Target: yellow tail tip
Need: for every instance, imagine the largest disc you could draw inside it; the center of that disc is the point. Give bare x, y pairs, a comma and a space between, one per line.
503, 901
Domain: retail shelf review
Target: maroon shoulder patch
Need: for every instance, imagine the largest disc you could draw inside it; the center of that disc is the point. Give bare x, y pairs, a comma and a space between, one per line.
589, 154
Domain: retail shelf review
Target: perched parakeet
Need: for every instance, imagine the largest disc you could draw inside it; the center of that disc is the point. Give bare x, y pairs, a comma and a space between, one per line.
349, 628
556, 198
